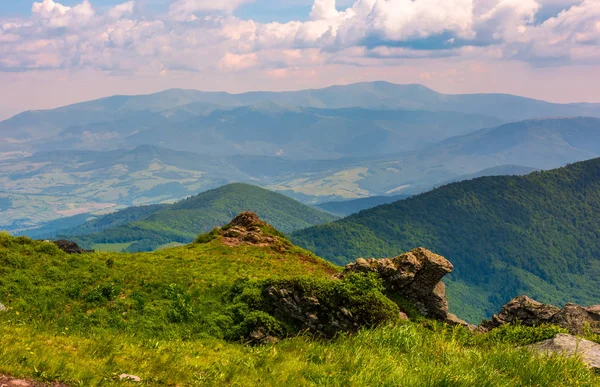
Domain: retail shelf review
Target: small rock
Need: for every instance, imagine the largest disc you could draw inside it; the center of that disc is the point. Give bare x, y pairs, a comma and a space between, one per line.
570, 346
131, 378
3, 308
403, 316
70, 247
19, 383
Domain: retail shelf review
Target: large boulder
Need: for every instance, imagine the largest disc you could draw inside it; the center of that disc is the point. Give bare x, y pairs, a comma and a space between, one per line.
70, 247
416, 276
577, 319
526, 311
564, 344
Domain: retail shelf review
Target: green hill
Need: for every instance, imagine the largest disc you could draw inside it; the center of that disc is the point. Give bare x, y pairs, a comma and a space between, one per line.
168, 317
537, 234
182, 221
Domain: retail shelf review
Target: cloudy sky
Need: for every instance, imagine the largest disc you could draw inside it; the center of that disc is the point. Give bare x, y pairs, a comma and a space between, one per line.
53, 53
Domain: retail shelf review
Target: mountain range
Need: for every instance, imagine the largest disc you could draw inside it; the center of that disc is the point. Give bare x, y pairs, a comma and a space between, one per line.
507, 235
339, 143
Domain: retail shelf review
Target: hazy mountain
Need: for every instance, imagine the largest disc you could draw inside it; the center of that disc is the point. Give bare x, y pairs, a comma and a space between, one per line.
335, 120
60, 184
349, 207
310, 133
375, 95
536, 143
506, 235
184, 220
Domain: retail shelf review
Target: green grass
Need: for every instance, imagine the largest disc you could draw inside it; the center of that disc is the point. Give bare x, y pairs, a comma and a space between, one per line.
169, 245
398, 355
85, 319
111, 247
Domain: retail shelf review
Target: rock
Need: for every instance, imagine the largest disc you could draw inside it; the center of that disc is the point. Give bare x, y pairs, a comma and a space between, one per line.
415, 275
260, 336
131, 378
452, 319
19, 383
576, 319
70, 247
524, 310
7, 381
570, 346
246, 219
247, 228
3, 308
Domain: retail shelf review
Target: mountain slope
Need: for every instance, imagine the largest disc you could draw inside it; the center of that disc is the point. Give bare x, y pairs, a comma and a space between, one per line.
507, 235
310, 133
182, 221
530, 142
349, 207
174, 318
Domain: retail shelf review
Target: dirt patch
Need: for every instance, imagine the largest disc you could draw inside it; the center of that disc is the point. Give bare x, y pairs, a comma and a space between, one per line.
7, 381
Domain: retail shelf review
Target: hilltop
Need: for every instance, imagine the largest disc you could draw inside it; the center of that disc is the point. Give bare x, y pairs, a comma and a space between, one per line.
188, 315
182, 221
507, 235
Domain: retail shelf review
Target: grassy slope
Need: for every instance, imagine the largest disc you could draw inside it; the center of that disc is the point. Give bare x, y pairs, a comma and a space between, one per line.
182, 221
86, 319
536, 234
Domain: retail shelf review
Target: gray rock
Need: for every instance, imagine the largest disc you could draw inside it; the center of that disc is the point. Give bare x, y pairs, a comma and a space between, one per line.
524, 310
415, 275
570, 346
576, 319
131, 378
3, 308
70, 247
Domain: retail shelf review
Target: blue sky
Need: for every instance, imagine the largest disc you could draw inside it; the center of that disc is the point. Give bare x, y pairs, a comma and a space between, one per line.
261, 11
54, 52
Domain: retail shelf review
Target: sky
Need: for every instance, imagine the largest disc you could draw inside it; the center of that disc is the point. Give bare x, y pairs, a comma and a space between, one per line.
53, 53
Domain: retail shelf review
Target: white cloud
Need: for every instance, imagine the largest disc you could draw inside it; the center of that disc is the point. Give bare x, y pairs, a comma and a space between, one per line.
202, 35
186, 10
118, 11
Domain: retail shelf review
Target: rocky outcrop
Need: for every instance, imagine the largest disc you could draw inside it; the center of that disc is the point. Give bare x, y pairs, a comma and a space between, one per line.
414, 275
529, 312
247, 228
564, 344
524, 310
70, 247
310, 312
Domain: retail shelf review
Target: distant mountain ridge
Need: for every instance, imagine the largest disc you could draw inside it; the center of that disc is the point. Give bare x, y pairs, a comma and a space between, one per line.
122, 121
506, 235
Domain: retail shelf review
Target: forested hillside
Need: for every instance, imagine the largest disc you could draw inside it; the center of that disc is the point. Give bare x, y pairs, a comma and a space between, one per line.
182, 221
506, 235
